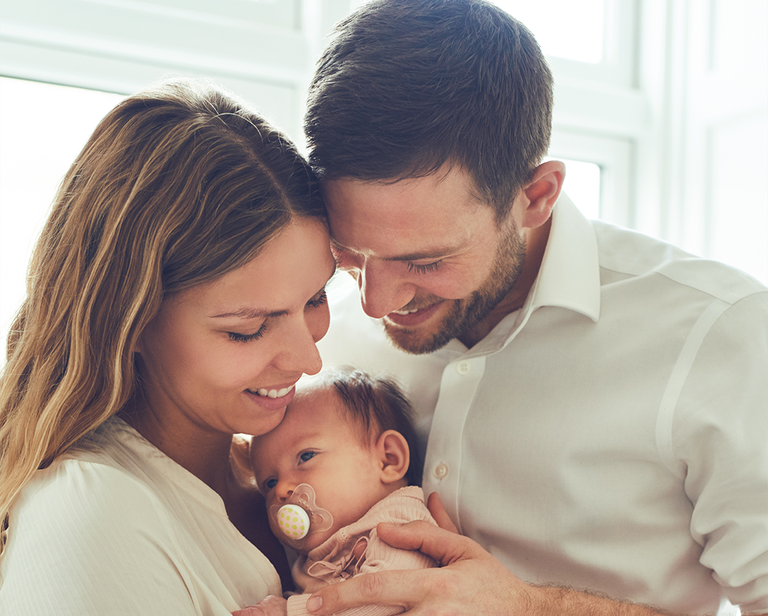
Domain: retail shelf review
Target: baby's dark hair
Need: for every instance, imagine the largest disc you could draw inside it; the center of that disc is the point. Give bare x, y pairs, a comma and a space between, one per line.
377, 404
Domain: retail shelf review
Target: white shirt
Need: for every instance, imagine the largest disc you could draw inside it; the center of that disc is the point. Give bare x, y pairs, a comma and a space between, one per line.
613, 433
123, 529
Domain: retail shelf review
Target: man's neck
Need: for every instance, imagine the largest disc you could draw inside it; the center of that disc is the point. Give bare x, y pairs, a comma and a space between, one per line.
536, 244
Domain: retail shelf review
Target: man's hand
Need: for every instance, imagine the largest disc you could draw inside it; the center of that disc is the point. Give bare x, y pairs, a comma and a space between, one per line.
469, 582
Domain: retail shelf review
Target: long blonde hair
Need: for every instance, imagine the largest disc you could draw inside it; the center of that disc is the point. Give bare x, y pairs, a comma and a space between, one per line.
178, 185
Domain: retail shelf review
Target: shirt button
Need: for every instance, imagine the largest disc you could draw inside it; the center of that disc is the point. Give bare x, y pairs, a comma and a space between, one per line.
463, 367
441, 470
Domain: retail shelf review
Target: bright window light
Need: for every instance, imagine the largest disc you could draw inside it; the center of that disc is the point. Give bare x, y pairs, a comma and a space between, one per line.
43, 128
582, 185
563, 28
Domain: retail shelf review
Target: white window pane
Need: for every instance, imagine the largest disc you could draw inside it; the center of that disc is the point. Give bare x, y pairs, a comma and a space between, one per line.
563, 28
582, 185
43, 128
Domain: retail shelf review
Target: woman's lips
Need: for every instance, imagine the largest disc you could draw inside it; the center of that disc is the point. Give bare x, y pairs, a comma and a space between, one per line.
411, 318
274, 393
272, 398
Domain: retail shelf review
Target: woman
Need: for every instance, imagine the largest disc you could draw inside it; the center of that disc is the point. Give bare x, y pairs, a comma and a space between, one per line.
174, 299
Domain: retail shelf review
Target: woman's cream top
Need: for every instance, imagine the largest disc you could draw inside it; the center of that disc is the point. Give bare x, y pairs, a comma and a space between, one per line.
117, 527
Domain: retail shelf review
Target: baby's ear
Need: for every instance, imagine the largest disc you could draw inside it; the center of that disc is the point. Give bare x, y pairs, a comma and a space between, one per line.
394, 456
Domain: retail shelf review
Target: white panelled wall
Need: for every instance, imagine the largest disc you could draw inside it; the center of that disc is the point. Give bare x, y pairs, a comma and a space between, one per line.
675, 112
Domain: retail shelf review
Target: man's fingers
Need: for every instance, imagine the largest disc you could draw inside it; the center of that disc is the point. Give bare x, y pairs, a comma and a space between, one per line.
444, 546
249, 611
397, 588
437, 509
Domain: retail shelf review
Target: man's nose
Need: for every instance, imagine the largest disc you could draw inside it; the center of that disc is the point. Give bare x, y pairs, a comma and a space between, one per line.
382, 289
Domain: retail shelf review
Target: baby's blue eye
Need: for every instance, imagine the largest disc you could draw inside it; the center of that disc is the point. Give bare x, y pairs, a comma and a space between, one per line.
270, 483
307, 455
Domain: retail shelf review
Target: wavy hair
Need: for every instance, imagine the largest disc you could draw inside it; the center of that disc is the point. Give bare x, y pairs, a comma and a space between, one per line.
178, 185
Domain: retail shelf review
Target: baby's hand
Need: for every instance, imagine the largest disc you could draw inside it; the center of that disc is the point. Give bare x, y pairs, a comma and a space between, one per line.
270, 606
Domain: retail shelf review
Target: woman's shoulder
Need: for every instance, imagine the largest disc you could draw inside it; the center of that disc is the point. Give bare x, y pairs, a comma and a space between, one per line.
84, 492
85, 529
103, 485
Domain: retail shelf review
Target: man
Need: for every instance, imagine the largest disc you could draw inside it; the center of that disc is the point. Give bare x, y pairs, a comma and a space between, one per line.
593, 402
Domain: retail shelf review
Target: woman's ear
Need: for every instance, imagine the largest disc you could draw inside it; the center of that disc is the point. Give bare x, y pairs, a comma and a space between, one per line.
394, 456
541, 193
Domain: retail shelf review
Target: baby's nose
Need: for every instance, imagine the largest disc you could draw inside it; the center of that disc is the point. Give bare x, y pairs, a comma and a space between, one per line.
284, 490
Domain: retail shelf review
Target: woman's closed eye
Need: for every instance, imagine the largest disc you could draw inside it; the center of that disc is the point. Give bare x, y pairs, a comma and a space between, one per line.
237, 337
318, 300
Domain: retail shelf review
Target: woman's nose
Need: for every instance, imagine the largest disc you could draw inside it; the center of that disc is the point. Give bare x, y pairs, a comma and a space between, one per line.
298, 351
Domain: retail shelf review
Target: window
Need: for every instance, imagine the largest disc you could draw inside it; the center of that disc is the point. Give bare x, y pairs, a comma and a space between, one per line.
44, 127
577, 33
583, 185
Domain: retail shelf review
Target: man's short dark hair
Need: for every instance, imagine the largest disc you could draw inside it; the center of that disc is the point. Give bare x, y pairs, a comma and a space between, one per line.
377, 404
410, 85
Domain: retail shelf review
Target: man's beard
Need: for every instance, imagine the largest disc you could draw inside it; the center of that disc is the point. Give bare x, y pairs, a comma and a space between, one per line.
465, 313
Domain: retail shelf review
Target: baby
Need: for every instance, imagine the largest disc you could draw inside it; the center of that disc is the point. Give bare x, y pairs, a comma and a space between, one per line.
342, 460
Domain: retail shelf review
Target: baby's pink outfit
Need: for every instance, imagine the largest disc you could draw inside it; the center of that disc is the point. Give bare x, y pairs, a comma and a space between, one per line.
334, 560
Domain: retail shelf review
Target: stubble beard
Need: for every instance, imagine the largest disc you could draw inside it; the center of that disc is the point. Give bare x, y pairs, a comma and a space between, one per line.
467, 312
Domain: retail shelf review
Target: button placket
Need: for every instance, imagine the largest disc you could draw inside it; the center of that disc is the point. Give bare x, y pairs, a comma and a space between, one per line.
442, 469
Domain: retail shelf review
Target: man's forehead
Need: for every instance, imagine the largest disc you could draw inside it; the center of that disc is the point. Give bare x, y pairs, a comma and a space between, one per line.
413, 219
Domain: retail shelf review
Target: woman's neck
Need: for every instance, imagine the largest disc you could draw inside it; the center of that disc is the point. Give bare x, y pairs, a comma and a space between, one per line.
204, 453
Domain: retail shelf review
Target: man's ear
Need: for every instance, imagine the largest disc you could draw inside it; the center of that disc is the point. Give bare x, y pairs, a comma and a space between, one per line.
394, 456
541, 193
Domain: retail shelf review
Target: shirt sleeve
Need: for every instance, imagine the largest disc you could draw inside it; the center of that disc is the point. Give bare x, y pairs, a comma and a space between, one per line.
720, 439
92, 542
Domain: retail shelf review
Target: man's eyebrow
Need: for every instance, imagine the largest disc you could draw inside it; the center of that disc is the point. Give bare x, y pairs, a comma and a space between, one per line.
435, 253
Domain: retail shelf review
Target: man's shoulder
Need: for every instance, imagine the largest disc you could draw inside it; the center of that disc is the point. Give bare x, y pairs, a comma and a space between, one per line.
625, 255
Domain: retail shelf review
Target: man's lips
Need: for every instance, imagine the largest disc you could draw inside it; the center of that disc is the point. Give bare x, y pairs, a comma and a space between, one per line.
412, 318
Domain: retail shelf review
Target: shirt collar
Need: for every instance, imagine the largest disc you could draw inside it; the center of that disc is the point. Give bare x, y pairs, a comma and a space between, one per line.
569, 276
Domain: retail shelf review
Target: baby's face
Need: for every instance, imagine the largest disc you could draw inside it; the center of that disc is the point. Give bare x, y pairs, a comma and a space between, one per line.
316, 445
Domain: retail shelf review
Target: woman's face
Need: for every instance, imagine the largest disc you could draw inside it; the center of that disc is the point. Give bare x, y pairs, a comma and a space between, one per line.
225, 355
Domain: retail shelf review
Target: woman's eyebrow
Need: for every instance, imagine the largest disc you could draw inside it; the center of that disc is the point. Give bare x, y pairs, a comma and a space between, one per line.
260, 313
250, 313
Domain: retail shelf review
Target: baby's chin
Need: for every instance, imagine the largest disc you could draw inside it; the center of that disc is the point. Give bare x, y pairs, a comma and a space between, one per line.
313, 540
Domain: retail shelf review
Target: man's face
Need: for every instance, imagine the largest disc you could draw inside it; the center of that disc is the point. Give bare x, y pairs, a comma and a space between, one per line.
428, 256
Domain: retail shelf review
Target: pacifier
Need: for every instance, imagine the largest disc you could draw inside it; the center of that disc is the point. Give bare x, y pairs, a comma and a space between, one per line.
300, 515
